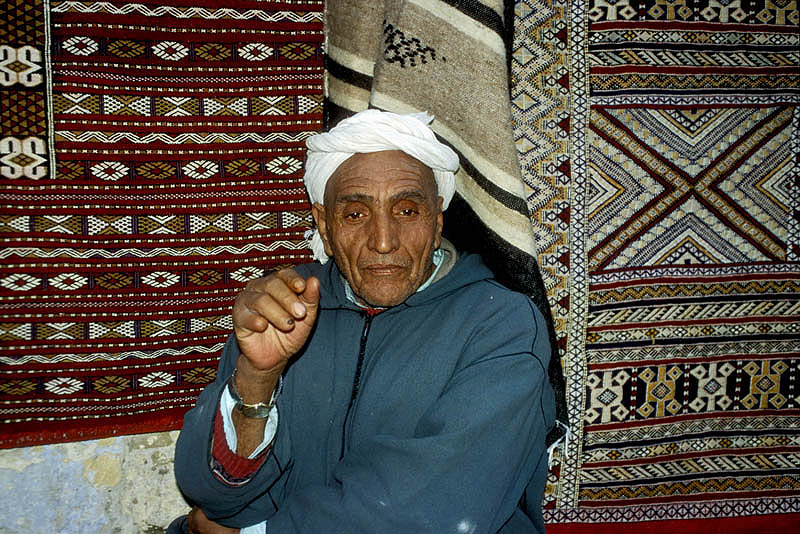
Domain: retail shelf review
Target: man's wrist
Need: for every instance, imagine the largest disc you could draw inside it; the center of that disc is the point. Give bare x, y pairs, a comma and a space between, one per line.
255, 385
259, 410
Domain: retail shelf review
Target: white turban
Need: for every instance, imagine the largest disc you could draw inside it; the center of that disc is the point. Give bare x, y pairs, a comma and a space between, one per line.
374, 131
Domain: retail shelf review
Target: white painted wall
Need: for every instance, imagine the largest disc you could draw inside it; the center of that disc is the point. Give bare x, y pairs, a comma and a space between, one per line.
122, 485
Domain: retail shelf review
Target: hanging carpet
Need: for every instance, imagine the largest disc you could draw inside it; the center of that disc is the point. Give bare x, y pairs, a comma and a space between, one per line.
151, 165
661, 146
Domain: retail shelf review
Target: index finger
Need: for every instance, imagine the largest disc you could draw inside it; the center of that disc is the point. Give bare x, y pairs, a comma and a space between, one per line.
293, 281
288, 276
282, 289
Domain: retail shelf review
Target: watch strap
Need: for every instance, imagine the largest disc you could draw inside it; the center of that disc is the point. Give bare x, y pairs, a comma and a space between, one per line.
259, 410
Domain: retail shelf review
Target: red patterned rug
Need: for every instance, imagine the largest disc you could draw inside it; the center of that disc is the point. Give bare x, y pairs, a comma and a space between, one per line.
151, 160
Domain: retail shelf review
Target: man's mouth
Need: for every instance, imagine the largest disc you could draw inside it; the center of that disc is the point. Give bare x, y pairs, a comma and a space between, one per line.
383, 269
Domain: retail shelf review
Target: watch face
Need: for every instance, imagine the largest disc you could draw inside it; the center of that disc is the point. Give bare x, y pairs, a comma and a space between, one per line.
254, 411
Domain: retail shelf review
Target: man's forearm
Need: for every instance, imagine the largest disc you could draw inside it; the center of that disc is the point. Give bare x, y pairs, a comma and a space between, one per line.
254, 386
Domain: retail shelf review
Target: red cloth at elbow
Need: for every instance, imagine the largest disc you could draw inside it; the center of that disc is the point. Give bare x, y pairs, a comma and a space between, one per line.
233, 469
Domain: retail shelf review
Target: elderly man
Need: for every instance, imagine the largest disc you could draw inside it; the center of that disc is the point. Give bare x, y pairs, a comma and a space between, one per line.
396, 389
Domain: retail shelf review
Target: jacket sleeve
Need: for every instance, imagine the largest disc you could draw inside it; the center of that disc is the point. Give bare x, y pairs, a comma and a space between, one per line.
463, 469
236, 505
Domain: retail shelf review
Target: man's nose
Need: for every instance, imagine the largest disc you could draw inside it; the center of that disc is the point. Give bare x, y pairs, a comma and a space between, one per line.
383, 234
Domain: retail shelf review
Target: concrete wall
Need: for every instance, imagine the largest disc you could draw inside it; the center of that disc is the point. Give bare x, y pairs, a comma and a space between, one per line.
122, 485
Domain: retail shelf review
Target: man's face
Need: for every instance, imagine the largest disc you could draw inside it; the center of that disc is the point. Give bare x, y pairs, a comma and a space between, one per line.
381, 222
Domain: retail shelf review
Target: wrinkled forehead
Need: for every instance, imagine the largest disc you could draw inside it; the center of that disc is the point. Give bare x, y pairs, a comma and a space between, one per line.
382, 171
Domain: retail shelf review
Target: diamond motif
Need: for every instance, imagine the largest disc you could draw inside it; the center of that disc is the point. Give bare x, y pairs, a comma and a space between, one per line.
205, 277
765, 384
661, 391
68, 281
256, 52
20, 282
200, 375
126, 48
161, 279
213, 51
245, 274
297, 51
63, 386
523, 55
241, 167
607, 397
156, 380
109, 170
200, 169
111, 384
712, 386
284, 165
80, 46
113, 280
17, 387
156, 171
170, 51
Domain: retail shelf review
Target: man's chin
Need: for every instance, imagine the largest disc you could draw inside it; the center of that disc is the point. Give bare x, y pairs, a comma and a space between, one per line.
385, 297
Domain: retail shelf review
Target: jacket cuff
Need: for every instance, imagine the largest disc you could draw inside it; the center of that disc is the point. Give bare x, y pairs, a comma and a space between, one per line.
229, 467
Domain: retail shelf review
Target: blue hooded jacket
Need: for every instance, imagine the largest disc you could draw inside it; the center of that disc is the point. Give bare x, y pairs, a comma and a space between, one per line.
428, 417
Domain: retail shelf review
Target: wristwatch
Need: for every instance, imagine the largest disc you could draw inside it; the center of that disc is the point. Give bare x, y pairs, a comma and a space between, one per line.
259, 410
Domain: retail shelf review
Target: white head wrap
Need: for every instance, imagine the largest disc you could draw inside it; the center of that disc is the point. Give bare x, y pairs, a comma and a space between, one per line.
374, 131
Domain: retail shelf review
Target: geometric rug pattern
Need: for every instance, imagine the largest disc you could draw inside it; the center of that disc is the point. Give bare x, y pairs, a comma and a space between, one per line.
151, 164
660, 142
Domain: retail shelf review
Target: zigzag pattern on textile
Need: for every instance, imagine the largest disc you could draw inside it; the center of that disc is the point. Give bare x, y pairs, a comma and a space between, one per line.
186, 12
15, 282
767, 430
151, 165
601, 517
180, 139
718, 464
733, 444
743, 483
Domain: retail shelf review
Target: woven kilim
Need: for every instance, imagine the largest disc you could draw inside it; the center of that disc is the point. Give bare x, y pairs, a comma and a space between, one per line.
151, 165
660, 141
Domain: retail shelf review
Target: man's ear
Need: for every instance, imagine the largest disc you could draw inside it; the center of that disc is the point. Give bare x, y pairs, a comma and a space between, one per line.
318, 212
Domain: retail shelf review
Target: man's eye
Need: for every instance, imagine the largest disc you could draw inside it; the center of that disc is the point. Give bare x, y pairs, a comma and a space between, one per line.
353, 215
407, 212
